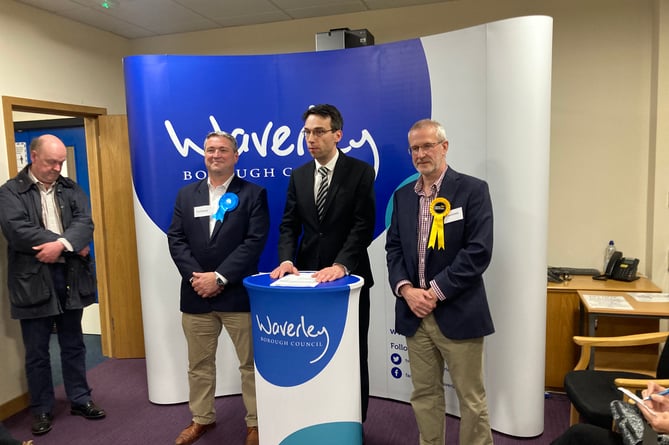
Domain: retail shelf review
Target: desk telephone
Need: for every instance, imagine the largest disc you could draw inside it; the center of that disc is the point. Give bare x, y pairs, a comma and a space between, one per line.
620, 268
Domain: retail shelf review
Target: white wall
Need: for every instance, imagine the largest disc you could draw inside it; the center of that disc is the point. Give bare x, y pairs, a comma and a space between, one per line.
56, 60
658, 205
610, 108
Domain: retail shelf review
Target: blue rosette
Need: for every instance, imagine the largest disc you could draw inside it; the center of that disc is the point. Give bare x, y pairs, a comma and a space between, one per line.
227, 203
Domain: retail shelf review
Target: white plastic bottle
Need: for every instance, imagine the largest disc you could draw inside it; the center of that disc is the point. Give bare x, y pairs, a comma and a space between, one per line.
608, 253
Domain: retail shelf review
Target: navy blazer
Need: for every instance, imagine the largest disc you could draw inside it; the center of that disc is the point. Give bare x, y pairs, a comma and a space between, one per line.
233, 250
457, 269
347, 228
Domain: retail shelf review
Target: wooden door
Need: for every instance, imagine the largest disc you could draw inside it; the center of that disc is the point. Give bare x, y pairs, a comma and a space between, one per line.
112, 204
118, 271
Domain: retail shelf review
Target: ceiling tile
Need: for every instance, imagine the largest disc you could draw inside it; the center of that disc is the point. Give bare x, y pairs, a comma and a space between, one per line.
218, 8
144, 18
316, 10
53, 6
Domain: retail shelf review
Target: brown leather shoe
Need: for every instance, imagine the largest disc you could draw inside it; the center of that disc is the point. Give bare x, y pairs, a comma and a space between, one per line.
192, 433
252, 436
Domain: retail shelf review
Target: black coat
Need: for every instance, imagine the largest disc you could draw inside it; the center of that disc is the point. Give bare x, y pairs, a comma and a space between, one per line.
31, 290
347, 228
233, 250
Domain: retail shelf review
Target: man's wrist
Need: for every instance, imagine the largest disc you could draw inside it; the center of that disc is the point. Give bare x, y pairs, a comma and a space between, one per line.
402, 284
399, 291
437, 291
344, 268
66, 244
220, 280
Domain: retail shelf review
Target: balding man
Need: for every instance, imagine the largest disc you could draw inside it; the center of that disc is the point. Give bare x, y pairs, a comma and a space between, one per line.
47, 222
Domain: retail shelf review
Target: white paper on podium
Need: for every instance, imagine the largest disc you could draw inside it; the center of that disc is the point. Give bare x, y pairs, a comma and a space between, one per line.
304, 279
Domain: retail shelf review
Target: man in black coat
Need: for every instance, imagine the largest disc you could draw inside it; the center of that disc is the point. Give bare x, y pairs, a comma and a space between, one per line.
334, 241
47, 221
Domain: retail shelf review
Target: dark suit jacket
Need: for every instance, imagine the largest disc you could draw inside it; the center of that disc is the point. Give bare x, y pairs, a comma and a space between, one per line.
233, 250
347, 227
457, 269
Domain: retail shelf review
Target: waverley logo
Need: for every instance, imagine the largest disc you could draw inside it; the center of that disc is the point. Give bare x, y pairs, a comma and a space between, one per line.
296, 335
267, 143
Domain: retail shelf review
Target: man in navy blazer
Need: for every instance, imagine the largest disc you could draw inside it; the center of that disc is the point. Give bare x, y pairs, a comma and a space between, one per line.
335, 243
218, 231
438, 245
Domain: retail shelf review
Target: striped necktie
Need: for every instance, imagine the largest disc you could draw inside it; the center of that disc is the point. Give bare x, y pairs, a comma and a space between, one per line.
322, 191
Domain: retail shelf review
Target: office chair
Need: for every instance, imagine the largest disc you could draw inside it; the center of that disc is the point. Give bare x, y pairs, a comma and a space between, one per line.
591, 391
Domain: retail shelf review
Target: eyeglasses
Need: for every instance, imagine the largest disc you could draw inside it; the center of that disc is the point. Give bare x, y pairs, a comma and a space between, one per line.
415, 149
318, 132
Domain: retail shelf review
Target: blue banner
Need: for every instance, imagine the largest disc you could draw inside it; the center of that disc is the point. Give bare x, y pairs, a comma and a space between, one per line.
174, 101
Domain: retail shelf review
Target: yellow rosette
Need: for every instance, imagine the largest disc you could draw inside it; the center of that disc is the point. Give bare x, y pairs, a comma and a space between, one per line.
439, 208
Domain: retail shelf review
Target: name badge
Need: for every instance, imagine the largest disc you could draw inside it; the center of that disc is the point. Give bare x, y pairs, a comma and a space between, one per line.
201, 211
453, 215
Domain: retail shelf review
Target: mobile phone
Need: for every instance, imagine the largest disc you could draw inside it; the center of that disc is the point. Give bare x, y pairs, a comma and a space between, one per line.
637, 399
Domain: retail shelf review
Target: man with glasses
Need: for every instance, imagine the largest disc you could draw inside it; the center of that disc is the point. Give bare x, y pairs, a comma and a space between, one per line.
328, 220
438, 245
218, 231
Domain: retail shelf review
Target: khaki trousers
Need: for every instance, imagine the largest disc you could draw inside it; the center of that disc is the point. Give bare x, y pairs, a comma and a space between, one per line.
429, 350
202, 332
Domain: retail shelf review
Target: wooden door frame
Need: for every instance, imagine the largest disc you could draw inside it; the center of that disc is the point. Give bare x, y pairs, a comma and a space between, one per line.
90, 116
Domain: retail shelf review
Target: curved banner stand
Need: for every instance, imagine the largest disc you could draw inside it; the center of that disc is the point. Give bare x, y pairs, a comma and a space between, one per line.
490, 85
305, 342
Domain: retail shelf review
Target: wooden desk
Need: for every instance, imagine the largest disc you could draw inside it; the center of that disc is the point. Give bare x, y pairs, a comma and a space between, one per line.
562, 322
637, 309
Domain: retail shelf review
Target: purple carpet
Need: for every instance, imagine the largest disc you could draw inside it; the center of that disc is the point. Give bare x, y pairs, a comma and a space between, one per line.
119, 386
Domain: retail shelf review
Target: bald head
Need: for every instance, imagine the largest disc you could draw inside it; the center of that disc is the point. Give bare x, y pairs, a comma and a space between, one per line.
47, 153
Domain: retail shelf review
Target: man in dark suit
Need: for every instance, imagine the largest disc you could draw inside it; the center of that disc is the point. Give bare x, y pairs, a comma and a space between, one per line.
218, 231
438, 245
334, 242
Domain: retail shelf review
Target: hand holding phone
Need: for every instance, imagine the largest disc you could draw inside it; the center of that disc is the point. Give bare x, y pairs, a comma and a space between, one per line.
637, 399
661, 393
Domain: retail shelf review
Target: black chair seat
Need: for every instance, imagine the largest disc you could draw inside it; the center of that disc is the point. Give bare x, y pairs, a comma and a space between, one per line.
591, 392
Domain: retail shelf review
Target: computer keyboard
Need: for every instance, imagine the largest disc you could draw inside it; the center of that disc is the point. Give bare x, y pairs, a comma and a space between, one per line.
574, 270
